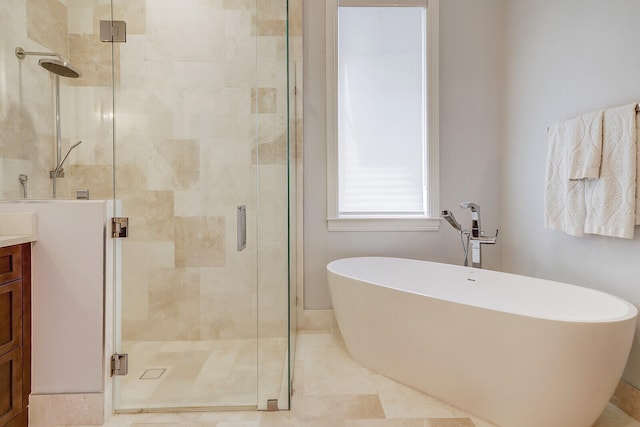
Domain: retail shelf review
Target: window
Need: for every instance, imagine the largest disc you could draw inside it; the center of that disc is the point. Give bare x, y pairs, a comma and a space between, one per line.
382, 146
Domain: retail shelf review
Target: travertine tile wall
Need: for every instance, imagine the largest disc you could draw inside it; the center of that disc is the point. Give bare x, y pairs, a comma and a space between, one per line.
27, 117
200, 127
25, 109
188, 116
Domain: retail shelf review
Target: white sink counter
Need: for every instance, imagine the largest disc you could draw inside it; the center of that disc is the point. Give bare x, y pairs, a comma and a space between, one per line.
16, 240
17, 228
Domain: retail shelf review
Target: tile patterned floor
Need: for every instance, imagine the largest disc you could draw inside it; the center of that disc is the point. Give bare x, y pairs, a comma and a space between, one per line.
331, 390
200, 373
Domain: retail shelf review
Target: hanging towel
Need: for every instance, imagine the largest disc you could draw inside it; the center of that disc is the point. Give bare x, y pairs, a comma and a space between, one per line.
611, 199
563, 198
584, 149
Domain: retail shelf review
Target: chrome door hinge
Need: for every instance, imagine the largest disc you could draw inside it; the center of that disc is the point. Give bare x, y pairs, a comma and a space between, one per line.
272, 404
119, 364
119, 227
113, 31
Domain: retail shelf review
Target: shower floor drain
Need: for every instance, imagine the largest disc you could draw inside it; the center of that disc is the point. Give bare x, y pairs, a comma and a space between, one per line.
152, 374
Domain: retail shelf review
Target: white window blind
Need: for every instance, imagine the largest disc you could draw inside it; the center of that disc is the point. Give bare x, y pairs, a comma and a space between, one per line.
382, 120
382, 115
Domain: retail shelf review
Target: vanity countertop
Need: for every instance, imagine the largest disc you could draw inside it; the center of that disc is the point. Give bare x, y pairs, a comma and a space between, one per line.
17, 228
16, 240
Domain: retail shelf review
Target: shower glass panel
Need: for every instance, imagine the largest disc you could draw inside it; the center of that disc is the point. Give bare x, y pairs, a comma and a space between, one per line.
273, 159
201, 128
195, 114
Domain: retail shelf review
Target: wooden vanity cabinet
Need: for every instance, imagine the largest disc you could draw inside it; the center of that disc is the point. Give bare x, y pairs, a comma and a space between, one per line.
15, 334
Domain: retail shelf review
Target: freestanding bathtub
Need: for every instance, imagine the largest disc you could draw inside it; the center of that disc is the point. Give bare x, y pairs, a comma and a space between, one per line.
514, 350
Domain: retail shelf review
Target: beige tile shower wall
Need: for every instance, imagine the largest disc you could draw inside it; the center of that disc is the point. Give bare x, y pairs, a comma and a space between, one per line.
47, 25
188, 104
87, 103
187, 109
175, 134
27, 116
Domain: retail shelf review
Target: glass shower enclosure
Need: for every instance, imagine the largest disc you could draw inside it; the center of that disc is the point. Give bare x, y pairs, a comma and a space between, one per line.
203, 152
186, 113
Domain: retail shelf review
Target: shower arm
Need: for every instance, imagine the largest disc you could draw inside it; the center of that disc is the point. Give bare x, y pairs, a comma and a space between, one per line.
21, 53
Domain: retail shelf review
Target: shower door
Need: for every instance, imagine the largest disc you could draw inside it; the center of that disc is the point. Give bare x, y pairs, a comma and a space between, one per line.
201, 158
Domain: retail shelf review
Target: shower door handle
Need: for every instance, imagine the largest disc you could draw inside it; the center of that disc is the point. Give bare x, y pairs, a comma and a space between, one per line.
242, 227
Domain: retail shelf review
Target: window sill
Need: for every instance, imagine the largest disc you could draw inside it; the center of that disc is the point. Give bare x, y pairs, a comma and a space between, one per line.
383, 224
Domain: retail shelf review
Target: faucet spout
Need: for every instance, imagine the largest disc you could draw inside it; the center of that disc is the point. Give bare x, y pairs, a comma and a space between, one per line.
476, 228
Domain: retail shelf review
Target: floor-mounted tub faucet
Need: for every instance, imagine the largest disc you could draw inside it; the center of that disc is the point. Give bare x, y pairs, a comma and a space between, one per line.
475, 238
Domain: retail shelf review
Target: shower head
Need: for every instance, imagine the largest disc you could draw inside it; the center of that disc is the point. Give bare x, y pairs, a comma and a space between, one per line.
448, 215
60, 67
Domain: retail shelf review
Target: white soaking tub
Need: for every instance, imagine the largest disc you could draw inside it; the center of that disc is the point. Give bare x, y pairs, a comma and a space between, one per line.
514, 350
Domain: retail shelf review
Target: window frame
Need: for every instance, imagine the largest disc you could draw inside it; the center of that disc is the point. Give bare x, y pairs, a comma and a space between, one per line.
376, 222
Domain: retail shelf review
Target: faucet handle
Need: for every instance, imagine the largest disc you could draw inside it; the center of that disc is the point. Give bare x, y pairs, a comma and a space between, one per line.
487, 240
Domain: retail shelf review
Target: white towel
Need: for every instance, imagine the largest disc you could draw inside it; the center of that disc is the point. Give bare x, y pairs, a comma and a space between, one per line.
584, 149
611, 199
563, 198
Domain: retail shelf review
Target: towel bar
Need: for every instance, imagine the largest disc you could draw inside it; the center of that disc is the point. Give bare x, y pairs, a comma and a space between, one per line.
637, 111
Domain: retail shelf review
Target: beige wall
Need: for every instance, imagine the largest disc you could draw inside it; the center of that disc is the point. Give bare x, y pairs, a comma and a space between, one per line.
565, 58
471, 77
508, 70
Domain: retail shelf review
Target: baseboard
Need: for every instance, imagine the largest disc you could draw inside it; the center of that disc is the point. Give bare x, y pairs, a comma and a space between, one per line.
66, 409
627, 398
318, 320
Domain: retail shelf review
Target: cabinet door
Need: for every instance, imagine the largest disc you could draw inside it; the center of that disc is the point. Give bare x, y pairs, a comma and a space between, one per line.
10, 316
10, 385
10, 263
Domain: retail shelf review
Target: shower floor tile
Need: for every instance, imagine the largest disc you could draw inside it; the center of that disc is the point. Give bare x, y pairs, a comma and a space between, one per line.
360, 398
215, 373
